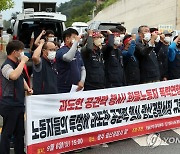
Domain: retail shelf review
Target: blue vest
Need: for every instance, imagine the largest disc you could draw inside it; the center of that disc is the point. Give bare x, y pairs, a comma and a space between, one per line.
174, 68
68, 72
45, 81
12, 91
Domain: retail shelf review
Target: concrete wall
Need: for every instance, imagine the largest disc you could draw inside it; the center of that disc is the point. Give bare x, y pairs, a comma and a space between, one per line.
178, 15
139, 12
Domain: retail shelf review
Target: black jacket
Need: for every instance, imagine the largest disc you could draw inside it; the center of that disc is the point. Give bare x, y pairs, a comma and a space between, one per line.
162, 57
114, 70
149, 67
94, 64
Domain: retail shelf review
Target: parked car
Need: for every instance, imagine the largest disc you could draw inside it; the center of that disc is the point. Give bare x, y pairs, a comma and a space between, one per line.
103, 26
80, 27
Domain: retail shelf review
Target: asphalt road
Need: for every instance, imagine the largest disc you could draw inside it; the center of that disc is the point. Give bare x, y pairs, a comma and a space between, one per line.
139, 145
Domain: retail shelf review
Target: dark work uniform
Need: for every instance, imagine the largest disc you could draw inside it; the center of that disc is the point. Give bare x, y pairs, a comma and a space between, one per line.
93, 61
131, 65
12, 110
149, 67
45, 77
114, 71
162, 57
69, 73
174, 62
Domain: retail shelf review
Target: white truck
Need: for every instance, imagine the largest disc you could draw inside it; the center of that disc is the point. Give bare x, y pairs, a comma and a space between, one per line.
36, 13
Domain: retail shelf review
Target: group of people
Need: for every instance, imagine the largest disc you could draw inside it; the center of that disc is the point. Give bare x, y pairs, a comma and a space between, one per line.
98, 61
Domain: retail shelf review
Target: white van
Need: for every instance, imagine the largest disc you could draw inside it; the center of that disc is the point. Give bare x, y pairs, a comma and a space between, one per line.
80, 27
30, 21
36, 13
26, 24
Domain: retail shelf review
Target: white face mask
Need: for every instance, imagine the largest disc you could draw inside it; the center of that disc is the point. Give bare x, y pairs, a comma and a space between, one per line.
21, 55
51, 55
117, 41
50, 39
147, 36
122, 37
167, 39
157, 39
97, 42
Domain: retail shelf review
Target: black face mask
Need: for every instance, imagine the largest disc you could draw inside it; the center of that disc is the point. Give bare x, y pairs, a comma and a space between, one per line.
178, 45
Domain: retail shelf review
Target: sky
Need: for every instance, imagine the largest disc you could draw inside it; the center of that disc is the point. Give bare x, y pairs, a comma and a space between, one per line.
18, 7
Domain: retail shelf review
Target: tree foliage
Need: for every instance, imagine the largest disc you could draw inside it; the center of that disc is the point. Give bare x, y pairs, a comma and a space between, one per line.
77, 10
105, 4
81, 10
6, 4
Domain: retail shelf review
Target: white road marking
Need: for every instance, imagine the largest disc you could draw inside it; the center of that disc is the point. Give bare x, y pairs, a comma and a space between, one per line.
142, 141
177, 130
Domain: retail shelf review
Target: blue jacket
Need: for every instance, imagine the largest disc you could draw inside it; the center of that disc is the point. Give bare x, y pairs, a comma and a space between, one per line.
173, 50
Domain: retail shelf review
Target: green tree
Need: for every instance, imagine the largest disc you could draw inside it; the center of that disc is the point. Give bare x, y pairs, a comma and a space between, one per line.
6, 4
105, 4
77, 10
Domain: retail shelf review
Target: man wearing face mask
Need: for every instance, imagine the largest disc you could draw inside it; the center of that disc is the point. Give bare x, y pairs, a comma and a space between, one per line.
70, 66
12, 98
174, 58
114, 71
122, 30
93, 60
44, 69
47, 35
146, 53
131, 63
162, 55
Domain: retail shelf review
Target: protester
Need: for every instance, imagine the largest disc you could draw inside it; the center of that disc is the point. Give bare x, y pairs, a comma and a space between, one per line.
162, 55
13, 87
93, 60
145, 52
44, 69
47, 35
70, 66
131, 63
174, 58
113, 60
122, 31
